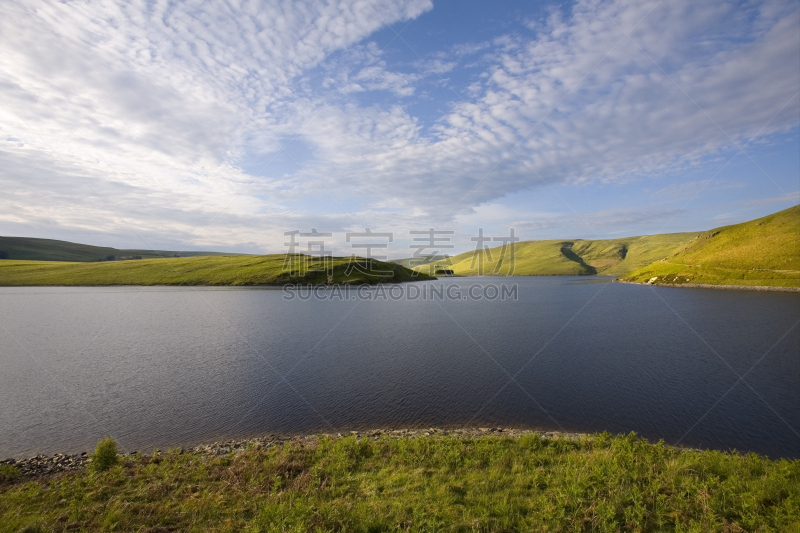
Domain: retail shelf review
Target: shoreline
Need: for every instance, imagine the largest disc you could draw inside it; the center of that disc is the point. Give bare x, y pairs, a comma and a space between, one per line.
43, 466
288, 286
762, 288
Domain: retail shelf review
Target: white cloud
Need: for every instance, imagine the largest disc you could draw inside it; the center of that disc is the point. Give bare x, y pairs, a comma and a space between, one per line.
363, 69
583, 102
596, 225
156, 110
152, 110
692, 188
789, 198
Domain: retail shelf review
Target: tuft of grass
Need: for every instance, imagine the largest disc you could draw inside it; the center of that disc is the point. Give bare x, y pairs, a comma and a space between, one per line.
215, 270
105, 455
762, 252
435, 483
8, 473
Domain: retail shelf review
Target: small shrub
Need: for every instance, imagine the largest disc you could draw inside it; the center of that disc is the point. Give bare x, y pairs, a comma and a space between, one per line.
105, 455
8, 472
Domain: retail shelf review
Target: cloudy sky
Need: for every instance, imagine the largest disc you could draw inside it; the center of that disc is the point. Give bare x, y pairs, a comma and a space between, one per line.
222, 124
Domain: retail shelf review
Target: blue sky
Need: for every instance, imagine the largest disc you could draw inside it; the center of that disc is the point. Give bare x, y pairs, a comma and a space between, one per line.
220, 125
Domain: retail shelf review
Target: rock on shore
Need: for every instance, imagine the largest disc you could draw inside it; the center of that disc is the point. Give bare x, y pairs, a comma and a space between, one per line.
43, 465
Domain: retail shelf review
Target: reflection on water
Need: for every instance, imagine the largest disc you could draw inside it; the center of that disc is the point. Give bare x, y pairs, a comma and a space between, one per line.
160, 367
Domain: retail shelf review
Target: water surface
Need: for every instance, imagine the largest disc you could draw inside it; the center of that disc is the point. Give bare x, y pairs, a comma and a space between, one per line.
158, 367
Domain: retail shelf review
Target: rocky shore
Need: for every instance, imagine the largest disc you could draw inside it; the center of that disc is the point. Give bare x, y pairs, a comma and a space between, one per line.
45, 466
763, 288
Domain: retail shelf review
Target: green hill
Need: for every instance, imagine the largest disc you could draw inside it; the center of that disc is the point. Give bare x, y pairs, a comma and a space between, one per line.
411, 262
29, 249
565, 257
762, 252
215, 270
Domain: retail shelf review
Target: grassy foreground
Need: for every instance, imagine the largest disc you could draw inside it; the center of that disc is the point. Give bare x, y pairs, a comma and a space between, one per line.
216, 270
435, 483
762, 252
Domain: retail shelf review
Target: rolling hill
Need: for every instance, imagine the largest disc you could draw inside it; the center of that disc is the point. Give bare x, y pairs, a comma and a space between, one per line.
30, 249
762, 252
565, 257
215, 270
411, 262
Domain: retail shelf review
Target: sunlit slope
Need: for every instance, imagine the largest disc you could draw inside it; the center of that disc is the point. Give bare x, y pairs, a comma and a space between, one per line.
30, 249
565, 257
765, 252
530, 258
614, 257
236, 270
411, 262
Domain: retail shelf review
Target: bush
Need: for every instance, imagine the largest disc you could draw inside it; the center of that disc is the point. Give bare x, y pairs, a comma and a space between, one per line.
105, 455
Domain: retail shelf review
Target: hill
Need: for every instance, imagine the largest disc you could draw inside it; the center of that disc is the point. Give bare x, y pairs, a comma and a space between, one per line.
30, 249
411, 262
762, 252
573, 257
214, 270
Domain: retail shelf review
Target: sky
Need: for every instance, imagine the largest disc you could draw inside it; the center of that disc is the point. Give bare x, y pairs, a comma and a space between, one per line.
224, 124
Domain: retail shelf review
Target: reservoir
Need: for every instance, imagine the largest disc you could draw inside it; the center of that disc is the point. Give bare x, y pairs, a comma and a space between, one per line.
158, 367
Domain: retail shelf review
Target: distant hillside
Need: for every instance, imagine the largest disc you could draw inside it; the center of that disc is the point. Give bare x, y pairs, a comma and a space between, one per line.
566, 257
411, 262
29, 249
763, 252
233, 270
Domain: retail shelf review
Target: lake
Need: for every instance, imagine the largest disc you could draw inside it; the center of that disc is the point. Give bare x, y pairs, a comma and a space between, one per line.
158, 367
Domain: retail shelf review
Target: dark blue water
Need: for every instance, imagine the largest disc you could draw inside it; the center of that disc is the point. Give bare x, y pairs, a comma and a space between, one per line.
161, 367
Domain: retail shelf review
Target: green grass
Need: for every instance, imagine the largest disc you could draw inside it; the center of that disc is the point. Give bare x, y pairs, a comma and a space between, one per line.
566, 257
762, 252
8, 473
29, 249
214, 270
105, 455
436, 483
411, 262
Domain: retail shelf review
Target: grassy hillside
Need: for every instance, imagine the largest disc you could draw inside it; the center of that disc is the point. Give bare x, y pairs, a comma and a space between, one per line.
411, 262
566, 257
763, 252
427, 483
236, 270
29, 249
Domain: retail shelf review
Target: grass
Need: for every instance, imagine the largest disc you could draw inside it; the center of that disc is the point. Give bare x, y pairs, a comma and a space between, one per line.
29, 249
435, 483
214, 270
411, 262
8, 473
762, 252
565, 257
105, 456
